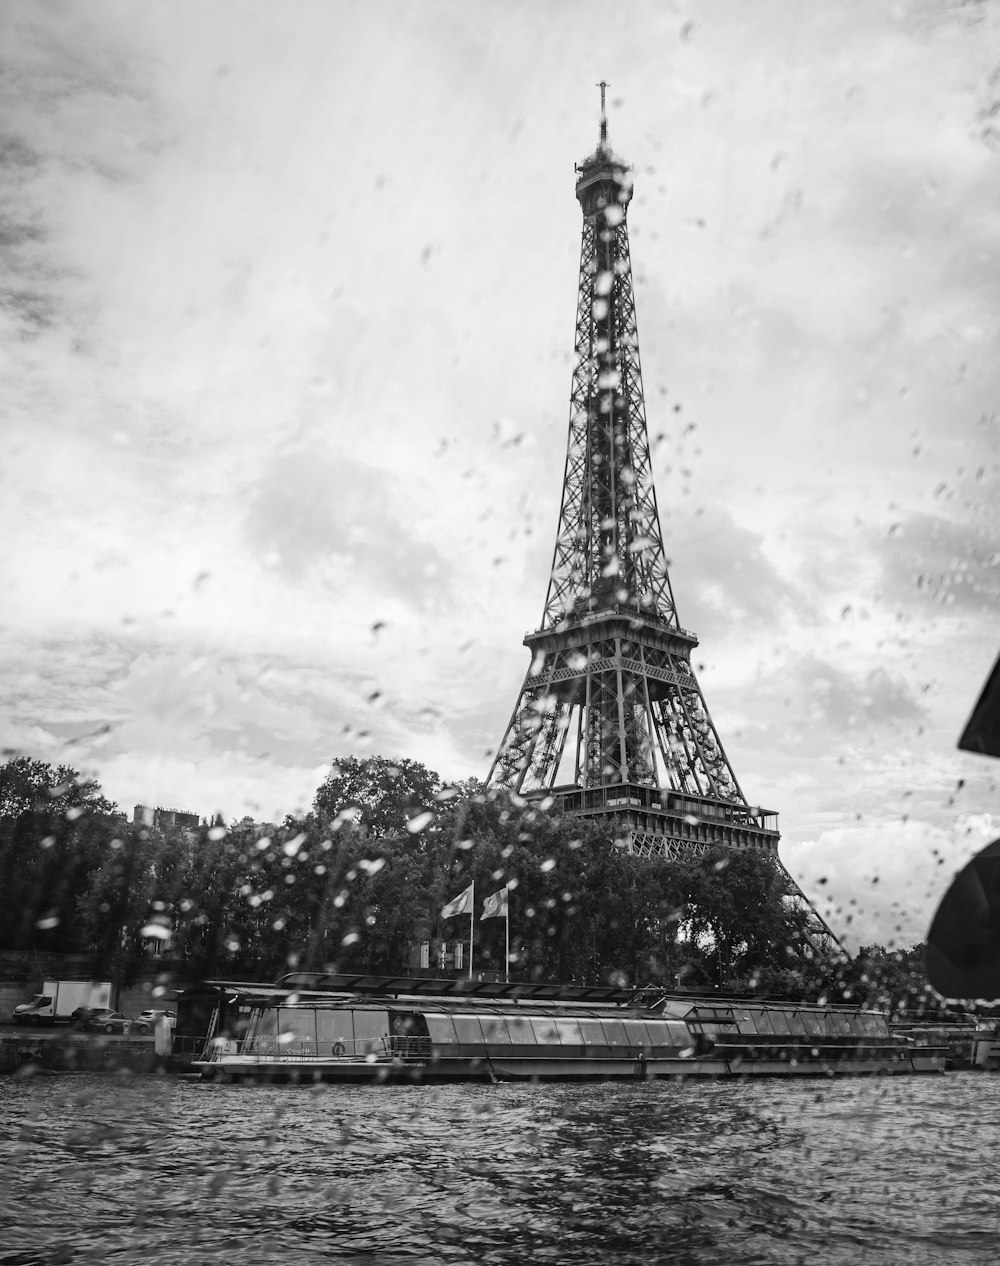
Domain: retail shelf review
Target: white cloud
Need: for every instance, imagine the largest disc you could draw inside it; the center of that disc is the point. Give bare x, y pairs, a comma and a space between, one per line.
881, 883
288, 328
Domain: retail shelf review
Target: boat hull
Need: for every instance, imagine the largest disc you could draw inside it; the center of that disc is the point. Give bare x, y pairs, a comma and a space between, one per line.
497, 1068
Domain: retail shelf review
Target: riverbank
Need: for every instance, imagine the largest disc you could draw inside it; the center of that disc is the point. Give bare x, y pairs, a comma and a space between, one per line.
61, 1050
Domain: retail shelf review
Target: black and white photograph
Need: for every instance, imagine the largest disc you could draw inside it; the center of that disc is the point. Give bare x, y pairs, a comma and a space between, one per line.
499, 680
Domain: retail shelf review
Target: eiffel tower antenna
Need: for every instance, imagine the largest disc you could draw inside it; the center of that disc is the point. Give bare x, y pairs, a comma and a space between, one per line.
604, 114
611, 721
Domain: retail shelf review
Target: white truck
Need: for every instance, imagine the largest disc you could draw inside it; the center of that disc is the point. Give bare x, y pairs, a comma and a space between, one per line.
60, 998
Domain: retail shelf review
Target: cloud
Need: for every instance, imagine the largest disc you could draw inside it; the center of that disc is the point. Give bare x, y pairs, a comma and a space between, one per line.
933, 564
882, 882
266, 317
311, 510
722, 576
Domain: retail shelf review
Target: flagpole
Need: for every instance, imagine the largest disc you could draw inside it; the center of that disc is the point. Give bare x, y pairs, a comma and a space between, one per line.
472, 925
506, 956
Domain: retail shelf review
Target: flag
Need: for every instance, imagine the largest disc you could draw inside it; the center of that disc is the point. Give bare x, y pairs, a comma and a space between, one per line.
495, 906
461, 905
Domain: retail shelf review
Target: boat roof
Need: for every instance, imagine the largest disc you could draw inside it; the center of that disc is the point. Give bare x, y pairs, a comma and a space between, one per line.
454, 987
328, 989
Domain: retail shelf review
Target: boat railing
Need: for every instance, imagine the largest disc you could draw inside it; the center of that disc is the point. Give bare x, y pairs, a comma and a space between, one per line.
409, 1047
286, 1046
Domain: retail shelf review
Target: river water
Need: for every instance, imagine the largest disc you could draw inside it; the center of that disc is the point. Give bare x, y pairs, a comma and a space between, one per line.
160, 1170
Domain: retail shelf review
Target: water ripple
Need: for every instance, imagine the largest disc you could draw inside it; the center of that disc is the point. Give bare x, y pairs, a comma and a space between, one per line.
164, 1171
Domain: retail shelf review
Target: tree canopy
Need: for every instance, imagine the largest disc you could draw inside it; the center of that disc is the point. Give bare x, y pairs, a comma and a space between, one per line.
362, 879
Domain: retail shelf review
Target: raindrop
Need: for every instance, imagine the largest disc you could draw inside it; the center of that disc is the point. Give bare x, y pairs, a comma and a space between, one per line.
155, 932
419, 822
548, 864
292, 846
217, 833
50, 920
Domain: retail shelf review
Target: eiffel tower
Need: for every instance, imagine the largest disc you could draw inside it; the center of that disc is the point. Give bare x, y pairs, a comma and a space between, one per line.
611, 722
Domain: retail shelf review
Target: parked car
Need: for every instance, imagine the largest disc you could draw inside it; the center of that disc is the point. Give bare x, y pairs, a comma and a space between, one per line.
105, 1020
145, 1021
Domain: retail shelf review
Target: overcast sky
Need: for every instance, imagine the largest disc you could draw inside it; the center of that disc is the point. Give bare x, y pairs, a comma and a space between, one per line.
287, 315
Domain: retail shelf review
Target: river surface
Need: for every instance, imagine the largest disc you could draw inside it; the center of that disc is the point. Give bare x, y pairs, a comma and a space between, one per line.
159, 1170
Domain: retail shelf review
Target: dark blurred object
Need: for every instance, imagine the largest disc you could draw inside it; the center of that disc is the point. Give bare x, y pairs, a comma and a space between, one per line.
963, 945
982, 730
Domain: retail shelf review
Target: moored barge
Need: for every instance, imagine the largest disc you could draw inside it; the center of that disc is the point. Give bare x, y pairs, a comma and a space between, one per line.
316, 1027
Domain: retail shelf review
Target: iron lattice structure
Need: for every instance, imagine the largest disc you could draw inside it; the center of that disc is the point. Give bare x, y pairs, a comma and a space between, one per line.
611, 720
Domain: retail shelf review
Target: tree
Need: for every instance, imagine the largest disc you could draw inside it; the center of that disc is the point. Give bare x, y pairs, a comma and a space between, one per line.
56, 828
379, 794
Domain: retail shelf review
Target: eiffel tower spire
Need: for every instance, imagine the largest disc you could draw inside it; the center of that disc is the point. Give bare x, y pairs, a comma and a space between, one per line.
611, 720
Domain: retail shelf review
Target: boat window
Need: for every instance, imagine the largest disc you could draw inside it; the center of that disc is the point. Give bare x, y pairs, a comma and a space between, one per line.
262, 1033
441, 1029
614, 1033
636, 1033
300, 1022
672, 1033
545, 1031
468, 1029
371, 1030
333, 1027
678, 1034
593, 1032
839, 1024
569, 1032
495, 1029
795, 1022
520, 1030
762, 1022
875, 1025
780, 1023
813, 1022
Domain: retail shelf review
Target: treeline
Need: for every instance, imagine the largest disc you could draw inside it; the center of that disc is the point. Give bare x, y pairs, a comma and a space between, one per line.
361, 879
